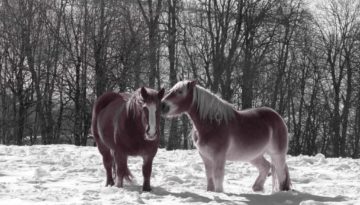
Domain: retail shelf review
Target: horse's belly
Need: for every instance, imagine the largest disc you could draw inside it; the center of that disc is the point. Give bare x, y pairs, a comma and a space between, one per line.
239, 152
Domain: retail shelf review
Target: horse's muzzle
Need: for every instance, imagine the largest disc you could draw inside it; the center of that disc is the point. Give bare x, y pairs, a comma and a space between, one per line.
164, 108
150, 138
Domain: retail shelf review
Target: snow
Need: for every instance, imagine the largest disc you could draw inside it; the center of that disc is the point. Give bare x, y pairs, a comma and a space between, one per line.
66, 174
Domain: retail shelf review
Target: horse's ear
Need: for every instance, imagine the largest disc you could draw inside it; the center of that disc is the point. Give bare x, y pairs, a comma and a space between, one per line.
144, 93
192, 84
161, 93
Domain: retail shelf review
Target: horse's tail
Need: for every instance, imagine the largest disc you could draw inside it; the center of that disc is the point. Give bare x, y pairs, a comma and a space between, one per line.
127, 175
287, 183
124, 173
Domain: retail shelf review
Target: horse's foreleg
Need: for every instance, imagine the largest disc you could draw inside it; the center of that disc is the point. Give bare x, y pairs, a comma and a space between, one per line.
146, 170
263, 167
209, 173
218, 173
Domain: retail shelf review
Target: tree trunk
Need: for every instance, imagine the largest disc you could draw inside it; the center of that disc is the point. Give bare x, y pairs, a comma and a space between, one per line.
356, 145
174, 139
336, 121
152, 21
152, 57
77, 100
21, 110
100, 53
248, 73
60, 113
347, 104
85, 112
2, 102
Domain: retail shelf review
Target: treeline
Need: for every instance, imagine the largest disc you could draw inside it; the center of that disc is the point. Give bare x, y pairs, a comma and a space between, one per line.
57, 56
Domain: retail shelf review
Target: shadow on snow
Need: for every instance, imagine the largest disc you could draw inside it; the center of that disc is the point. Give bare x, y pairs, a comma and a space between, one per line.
291, 197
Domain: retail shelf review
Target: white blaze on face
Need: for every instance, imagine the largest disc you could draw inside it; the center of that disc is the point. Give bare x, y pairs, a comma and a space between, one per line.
152, 119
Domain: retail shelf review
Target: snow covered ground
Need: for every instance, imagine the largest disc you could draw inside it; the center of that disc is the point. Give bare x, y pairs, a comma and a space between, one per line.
65, 174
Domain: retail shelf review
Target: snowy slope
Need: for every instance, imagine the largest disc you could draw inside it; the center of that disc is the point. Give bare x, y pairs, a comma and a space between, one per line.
65, 174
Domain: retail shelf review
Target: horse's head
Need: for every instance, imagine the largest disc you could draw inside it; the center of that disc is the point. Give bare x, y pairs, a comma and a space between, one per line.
151, 111
179, 99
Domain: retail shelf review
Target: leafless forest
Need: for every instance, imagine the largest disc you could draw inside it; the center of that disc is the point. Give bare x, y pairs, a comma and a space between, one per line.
57, 56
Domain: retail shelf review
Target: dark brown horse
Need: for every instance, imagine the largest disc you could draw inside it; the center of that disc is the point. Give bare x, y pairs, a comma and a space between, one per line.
222, 133
127, 125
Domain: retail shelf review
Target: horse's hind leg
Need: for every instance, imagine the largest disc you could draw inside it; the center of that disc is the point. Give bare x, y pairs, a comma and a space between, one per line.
281, 171
108, 163
263, 167
122, 170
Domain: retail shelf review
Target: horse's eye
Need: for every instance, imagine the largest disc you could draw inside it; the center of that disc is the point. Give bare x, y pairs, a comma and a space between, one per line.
179, 92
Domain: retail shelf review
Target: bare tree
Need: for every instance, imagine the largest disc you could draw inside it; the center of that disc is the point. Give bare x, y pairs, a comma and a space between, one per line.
174, 139
337, 32
151, 11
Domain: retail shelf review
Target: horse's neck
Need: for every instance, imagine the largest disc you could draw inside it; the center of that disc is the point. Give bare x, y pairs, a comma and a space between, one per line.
194, 115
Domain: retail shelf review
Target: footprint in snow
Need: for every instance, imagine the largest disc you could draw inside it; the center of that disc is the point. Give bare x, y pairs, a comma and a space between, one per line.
40, 172
343, 167
90, 195
174, 179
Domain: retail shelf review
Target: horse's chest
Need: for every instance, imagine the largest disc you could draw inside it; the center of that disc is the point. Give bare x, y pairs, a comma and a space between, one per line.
134, 145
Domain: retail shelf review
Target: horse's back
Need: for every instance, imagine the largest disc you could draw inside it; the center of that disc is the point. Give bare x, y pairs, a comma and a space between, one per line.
104, 100
265, 115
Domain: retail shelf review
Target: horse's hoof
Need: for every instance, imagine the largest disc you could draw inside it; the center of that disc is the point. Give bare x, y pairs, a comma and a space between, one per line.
119, 184
286, 189
219, 190
257, 188
110, 183
147, 189
211, 189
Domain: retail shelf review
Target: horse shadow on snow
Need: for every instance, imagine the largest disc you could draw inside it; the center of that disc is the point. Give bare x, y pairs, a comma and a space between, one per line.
291, 197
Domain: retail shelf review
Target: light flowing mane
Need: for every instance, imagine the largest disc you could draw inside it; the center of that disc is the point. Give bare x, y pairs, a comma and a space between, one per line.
212, 107
133, 105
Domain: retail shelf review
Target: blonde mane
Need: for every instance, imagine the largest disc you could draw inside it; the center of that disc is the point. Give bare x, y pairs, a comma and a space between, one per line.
212, 107
133, 105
